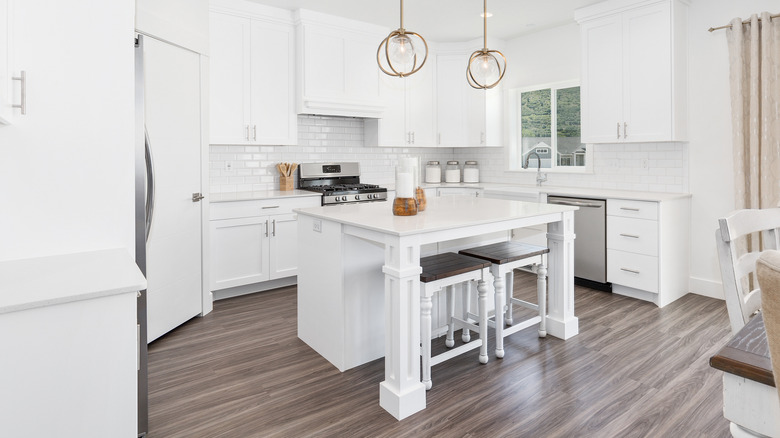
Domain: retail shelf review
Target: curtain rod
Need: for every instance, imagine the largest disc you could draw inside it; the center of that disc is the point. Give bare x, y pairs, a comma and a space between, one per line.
744, 22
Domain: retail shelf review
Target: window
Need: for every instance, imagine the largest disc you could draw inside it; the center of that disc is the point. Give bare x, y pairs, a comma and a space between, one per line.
548, 122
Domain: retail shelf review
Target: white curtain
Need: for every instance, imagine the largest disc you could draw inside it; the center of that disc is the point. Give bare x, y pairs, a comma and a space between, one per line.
754, 57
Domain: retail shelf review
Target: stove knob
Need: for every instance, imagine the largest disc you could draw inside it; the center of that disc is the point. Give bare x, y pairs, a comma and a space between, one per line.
343, 198
370, 196
357, 197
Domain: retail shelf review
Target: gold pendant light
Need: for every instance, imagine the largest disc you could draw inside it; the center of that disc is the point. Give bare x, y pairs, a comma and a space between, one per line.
484, 70
401, 51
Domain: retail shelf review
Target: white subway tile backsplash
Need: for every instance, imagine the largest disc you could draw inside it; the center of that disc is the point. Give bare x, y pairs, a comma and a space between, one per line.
635, 166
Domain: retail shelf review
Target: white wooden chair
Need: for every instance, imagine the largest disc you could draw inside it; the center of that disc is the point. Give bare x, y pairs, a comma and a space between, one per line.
738, 263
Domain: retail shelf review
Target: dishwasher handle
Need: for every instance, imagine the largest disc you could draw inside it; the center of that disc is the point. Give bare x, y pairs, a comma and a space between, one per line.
575, 203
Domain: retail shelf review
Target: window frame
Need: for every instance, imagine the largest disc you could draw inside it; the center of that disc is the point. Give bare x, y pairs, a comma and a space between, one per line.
514, 151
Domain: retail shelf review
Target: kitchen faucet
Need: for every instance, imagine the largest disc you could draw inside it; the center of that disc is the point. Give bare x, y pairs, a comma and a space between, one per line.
539, 177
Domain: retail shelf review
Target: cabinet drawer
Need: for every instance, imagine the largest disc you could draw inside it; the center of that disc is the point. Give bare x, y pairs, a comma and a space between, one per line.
632, 270
639, 236
260, 207
635, 209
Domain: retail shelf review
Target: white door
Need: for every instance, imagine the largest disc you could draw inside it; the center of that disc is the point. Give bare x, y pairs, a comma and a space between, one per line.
172, 106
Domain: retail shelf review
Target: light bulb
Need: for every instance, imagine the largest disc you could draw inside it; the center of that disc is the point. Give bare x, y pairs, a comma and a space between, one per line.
401, 51
484, 68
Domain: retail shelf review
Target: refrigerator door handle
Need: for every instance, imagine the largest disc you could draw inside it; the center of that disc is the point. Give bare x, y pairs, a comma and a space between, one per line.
149, 183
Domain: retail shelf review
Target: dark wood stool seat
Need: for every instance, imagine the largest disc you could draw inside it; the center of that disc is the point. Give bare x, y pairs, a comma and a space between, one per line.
505, 252
504, 258
448, 264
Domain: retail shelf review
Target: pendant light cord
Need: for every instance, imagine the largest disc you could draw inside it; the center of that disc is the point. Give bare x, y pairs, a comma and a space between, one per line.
484, 25
402, 16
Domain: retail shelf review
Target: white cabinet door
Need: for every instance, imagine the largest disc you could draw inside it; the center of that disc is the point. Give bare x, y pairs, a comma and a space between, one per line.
602, 76
174, 247
390, 130
6, 84
274, 120
284, 246
475, 109
421, 106
451, 100
647, 74
229, 96
239, 251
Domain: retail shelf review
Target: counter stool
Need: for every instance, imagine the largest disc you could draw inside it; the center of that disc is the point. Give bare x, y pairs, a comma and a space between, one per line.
443, 271
504, 258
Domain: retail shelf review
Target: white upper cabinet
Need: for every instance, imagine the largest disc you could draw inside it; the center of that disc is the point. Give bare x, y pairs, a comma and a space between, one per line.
466, 117
6, 83
336, 66
409, 118
634, 71
252, 76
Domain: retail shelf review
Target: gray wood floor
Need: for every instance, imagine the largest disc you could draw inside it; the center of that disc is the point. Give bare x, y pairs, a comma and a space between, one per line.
634, 370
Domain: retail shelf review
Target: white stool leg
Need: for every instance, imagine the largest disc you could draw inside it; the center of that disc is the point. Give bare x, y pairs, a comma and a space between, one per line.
466, 304
425, 335
450, 342
498, 285
541, 291
483, 321
510, 287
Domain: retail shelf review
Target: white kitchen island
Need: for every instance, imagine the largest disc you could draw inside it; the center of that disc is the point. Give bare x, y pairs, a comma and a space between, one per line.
359, 272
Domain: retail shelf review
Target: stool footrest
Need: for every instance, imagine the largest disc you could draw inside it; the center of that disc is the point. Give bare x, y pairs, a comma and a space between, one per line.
452, 352
464, 324
526, 304
522, 325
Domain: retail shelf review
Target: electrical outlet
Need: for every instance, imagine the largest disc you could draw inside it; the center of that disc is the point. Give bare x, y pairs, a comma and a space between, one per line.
318, 226
228, 165
644, 163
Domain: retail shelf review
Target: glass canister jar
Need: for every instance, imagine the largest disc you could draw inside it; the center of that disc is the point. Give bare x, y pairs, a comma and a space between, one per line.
470, 172
433, 172
452, 172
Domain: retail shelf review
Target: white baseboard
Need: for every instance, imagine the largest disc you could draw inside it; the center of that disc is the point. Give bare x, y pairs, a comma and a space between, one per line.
707, 288
252, 288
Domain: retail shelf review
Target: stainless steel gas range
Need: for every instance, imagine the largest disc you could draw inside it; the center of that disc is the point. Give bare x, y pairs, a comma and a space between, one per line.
339, 183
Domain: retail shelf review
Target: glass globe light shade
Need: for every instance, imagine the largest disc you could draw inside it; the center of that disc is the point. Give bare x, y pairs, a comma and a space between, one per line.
484, 68
401, 51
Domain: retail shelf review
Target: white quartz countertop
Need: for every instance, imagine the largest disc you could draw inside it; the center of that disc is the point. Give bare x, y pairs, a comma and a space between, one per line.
442, 213
45, 281
260, 194
565, 191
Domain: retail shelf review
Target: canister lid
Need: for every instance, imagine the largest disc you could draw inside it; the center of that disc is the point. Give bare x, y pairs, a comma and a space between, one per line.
433, 163
471, 162
452, 162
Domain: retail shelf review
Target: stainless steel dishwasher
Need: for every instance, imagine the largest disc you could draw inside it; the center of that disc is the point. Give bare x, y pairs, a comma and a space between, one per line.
590, 244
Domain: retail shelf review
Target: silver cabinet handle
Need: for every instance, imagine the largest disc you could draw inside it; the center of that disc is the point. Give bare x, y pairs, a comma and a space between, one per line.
22, 78
273, 233
412, 137
149, 159
618, 130
270, 206
625, 130
629, 270
196, 197
247, 132
266, 228
438, 138
630, 235
629, 209
481, 138
254, 132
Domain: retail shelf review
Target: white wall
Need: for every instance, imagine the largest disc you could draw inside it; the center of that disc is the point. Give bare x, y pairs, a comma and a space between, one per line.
712, 177
66, 168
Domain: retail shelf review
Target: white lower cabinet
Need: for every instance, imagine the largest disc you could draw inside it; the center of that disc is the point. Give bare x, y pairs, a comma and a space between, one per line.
647, 249
255, 241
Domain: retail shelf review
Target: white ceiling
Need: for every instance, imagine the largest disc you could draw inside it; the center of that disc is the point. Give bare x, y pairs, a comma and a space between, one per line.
449, 20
